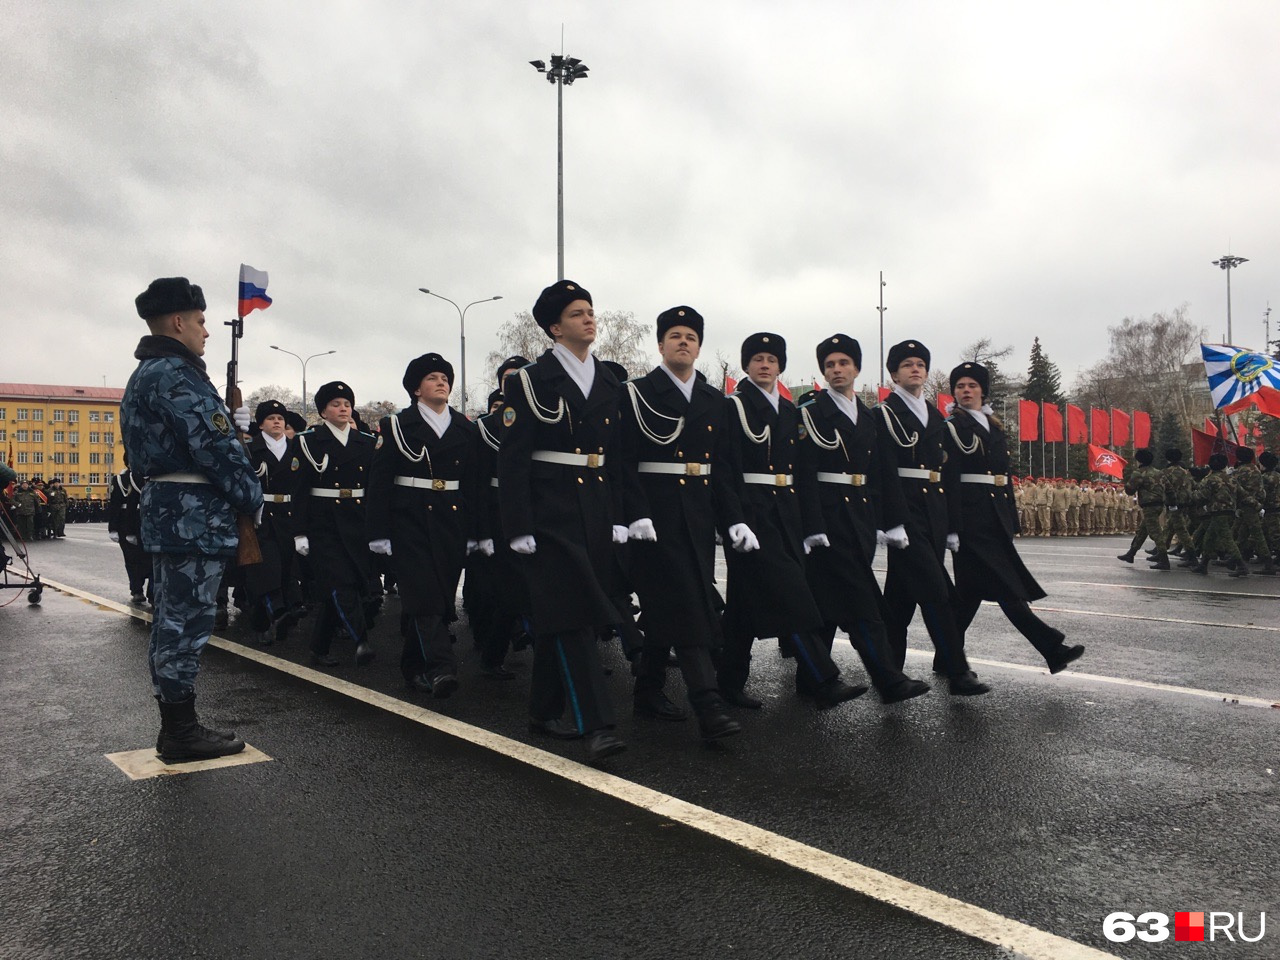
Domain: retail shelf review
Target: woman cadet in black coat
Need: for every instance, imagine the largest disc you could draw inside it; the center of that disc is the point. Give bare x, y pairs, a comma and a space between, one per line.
984, 518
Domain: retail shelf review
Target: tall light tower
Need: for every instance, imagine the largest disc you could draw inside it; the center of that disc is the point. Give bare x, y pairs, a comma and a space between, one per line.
1226, 263
562, 72
462, 327
304, 363
882, 308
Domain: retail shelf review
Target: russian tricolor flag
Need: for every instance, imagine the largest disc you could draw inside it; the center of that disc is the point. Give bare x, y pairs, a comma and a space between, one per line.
253, 290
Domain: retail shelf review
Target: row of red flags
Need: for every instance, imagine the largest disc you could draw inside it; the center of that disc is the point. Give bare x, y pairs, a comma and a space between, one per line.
1102, 427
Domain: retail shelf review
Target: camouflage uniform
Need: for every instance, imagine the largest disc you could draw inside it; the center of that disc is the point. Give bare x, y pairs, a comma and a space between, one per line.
178, 433
1249, 500
1218, 495
1271, 504
1178, 489
24, 512
58, 510
1146, 483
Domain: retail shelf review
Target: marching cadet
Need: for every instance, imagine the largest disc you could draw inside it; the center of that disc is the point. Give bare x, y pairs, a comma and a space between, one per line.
179, 434
1218, 495
329, 522
422, 511
294, 424
767, 593
1177, 502
1250, 497
1271, 502
844, 500
1146, 483
987, 564
58, 508
676, 487
911, 433
124, 526
558, 512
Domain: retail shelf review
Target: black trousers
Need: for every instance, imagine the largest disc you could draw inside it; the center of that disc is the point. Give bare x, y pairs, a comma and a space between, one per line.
568, 679
340, 606
428, 648
695, 666
871, 640
939, 620
813, 661
1044, 638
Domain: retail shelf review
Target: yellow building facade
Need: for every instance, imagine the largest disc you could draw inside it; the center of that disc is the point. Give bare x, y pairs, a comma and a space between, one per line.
73, 433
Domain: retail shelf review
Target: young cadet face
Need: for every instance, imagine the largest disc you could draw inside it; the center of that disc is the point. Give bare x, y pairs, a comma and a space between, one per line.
911, 373
679, 348
969, 393
273, 426
840, 371
577, 324
337, 411
433, 390
496, 405
762, 369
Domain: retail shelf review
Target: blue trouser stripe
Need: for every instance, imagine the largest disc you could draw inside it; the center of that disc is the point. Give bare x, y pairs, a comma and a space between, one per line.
568, 685
343, 617
868, 645
803, 654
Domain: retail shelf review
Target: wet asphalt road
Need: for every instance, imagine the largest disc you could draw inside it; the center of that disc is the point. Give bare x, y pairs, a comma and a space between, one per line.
1053, 801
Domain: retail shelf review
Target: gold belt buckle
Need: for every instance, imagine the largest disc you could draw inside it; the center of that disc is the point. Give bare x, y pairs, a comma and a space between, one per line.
693, 469
437, 484
593, 460
934, 476
858, 479
779, 479
344, 494
1001, 480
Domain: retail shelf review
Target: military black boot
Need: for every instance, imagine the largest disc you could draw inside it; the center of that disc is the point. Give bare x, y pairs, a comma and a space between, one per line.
1126, 557
1160, 562
1202, 567
183, 739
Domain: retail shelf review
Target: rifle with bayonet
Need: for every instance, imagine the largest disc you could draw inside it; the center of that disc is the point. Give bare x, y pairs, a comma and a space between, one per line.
248, 551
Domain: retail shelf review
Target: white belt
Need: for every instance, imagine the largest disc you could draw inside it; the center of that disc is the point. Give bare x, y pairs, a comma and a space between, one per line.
769, 479
915, 473
592, 460
181, 477
853, 479
493, 482
995, 480
277, 497
337, 494
424, 483
675, 469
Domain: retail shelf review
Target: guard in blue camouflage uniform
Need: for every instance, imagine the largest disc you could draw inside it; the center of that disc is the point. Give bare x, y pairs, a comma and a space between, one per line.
179, 434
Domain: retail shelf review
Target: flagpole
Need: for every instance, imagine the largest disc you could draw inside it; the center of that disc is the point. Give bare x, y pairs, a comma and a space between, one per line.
1066, 447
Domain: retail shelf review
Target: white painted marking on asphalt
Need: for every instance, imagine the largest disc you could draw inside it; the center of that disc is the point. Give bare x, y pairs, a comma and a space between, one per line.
1217, 624
1023, 939
1136, 586
144, 764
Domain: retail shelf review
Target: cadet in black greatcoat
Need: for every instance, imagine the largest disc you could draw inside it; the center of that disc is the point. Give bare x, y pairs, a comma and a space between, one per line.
676, 486
124, 525
985, 519
559, 512
844, 500
767, 594
330, 522
911, 435
423, 491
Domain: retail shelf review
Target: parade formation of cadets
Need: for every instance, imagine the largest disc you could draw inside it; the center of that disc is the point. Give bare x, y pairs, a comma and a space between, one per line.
579, 488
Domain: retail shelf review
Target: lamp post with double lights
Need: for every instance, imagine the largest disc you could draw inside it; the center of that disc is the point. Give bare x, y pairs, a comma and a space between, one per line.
1227, 263
562, 72
304, 370
462, 325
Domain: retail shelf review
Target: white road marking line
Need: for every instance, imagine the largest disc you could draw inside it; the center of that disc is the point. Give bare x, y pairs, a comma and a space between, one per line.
1022, 939
1136, 586
1217, 624
144, 764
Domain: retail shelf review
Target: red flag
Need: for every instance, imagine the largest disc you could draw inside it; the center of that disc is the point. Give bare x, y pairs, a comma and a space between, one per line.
943, 400
1100, 425
730, 385
1241, 439
816, 388
1209, 427
1077, 429
882, 392
1119, 428
1052, 423
1266, 399
1028, 420
782, 389
1141, 429
1102, 460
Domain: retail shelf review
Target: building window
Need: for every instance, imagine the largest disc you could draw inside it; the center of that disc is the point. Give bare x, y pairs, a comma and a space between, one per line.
22, 456
95, 436
109, 417
95, 458
74, 436
109, 439
37, 436
37, 414
95, 478
73, 478
59, 416
20, 436
4, 414
37, 456
2, 434
93, 416
73, 457
59, 458
59, 436
73, 416
22, 413
109, 459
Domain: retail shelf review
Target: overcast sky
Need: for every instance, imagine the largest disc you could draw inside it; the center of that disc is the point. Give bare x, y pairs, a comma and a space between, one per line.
1015, 169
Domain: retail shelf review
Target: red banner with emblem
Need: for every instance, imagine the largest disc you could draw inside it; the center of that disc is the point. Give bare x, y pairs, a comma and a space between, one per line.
1102, 460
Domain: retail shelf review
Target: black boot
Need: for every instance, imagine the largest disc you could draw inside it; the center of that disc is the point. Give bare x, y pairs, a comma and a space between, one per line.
1126, 557
182, 738
1202, 567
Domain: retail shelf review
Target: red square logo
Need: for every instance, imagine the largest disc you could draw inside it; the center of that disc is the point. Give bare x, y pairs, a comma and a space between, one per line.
1188, 926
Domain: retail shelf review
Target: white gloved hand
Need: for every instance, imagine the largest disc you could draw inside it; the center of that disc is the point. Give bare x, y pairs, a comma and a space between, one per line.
815, 540
381, 547
881, 538
301, 546
953, 542
115, 537
257, 517
525, 545
1173, 508
642, 529
744, 541
619, 533
132, 539
897, 538
485, 547
243, 418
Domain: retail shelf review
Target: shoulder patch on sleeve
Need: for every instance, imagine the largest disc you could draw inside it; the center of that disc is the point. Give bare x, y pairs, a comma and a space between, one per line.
508, 416
294, 464
221, 423
378, 443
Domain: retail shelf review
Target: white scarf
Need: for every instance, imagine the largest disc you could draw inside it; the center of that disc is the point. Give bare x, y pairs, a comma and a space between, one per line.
685, 387
979, 415
277, 447
846, 405
582, 372
773, 397
439, 422
917, 405
342, 434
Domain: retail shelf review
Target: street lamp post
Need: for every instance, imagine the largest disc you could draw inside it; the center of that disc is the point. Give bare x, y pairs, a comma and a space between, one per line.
462, 325
304, 370
562, 72
882, 308
1227, 263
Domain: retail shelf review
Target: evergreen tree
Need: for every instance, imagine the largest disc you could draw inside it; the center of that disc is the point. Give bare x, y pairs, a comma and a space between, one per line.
1170, 434
1044, 380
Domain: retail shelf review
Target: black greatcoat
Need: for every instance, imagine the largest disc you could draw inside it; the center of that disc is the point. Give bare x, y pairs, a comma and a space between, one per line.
675, 576
124, 517
280, 478
335, 526
767, 595
428, 528
987, 565
840, 575
569, 510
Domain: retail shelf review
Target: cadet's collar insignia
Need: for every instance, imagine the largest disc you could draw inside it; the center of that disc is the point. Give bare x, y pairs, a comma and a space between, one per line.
508, 416
294, 464
221, 423
378, 444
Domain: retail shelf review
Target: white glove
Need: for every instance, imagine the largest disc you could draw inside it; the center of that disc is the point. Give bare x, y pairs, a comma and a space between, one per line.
744, 541
382, 547
132, 539
881, 539
115, 537
1173, 508
897, 538
257, 517
243, 418
642, 529
485, 547
953, 542
619, 533
301, 546
815, 540
526, 545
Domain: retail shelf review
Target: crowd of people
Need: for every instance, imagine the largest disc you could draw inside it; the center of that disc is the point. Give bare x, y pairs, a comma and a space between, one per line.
1066, 507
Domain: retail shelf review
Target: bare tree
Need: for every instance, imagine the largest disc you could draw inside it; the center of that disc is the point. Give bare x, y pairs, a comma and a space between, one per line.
371, 413
517, 337
272, 391
622, 338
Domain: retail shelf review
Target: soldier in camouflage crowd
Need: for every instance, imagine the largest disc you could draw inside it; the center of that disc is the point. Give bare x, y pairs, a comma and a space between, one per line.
1270, 503
1218, 495
57, 509
24, 511
1250, 498
1146, 483
1178, 488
